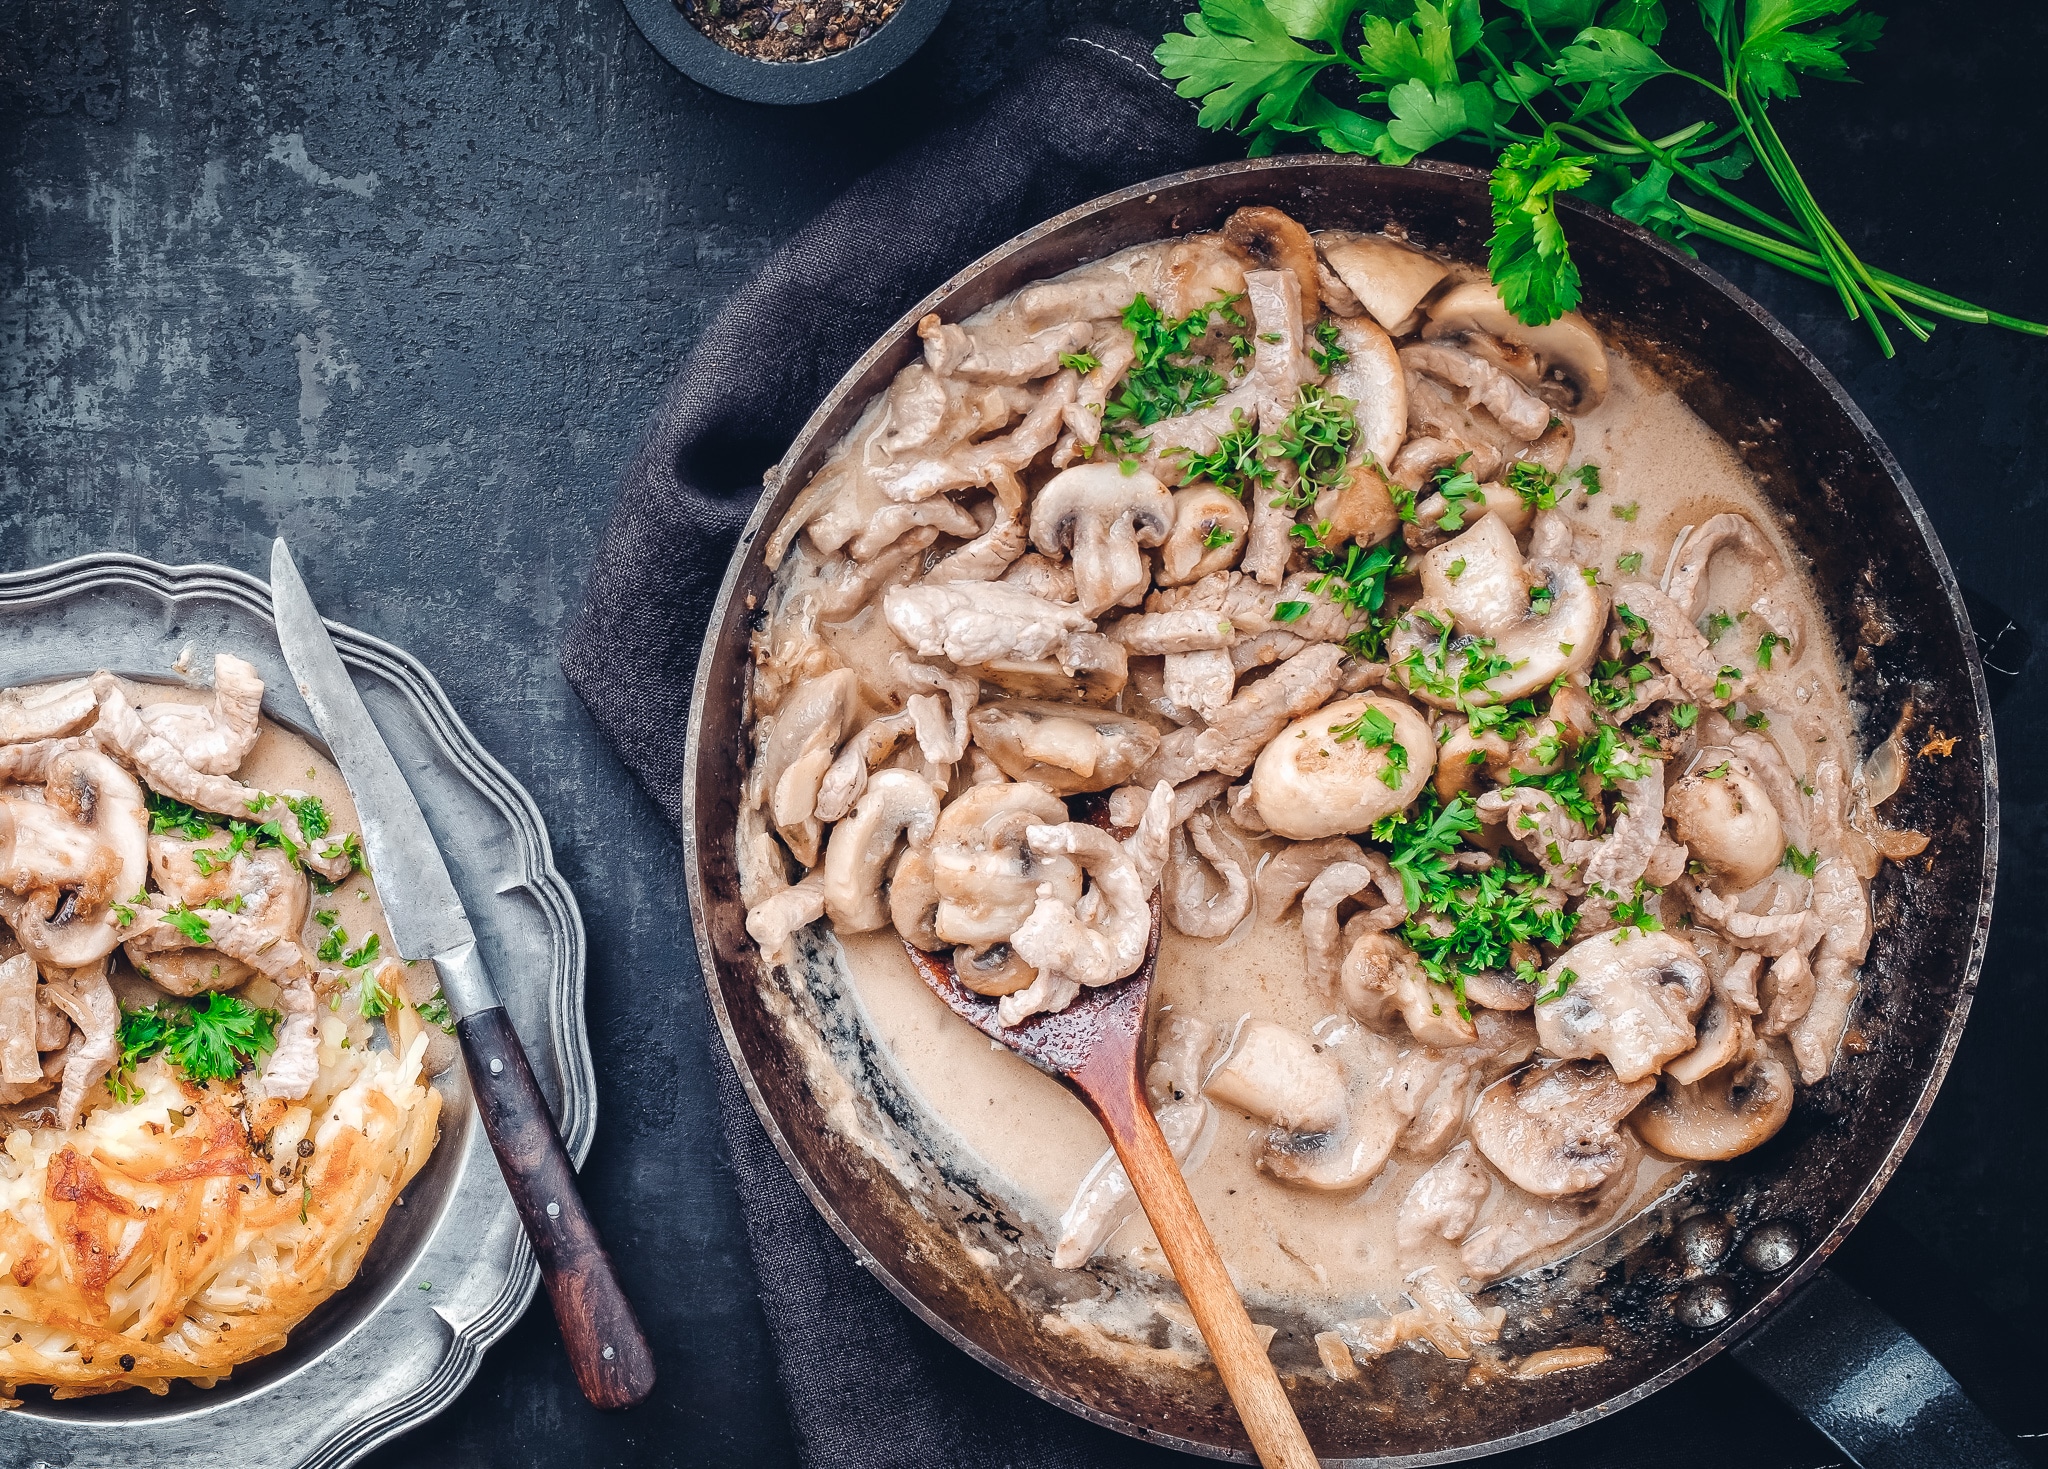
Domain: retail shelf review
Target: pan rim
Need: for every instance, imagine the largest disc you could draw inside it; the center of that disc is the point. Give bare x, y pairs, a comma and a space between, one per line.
1723, 1337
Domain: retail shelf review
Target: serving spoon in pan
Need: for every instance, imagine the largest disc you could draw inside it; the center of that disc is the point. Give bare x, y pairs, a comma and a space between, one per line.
1093, 1048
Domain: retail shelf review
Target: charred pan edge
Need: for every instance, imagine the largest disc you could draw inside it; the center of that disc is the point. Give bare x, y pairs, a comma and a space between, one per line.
446, 1356
1957, 687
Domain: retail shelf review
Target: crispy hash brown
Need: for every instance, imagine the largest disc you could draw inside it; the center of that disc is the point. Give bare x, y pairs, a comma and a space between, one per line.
190, 1231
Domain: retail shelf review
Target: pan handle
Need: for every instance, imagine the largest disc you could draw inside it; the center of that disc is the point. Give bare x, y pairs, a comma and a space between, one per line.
1856, 1375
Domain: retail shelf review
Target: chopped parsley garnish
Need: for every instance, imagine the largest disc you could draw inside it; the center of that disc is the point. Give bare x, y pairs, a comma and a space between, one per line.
1634, 911
212, 1040
435, 1011
1628, 563
1082, 362
1714, 624
1290, 611
1685, 716
1540, 599
1626, 511
174, 818
1588, 476
1803, 863
1324, 351
1460, 491
1165, 380
1763, 649
1566, 978
1725, 683
1216, 538
1536, 485
364, 954
1758, 720
372, 998
1316, 438
1455, 570
188, 923
1716, 773
1237, 465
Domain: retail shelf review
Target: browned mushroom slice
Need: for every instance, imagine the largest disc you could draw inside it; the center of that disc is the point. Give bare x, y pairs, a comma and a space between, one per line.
1551, 1127
1730, 1112
1278, 241
1343, 767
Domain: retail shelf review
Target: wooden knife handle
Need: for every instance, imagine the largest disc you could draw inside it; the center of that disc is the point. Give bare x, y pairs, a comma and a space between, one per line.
606, 1348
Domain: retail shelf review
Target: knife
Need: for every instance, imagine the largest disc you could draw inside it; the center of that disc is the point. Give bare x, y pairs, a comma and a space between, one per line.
606, 1348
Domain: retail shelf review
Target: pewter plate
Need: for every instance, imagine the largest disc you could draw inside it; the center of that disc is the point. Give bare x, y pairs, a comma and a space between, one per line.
388, 1352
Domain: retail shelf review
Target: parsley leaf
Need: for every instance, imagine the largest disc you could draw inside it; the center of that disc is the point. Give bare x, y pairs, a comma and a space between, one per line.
1530, 262
1803, 863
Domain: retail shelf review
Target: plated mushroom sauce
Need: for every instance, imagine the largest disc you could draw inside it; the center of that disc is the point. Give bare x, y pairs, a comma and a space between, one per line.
198, 1138
1447, 679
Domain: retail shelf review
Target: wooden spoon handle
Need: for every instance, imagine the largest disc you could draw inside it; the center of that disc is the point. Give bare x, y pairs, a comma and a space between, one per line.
1234, 1343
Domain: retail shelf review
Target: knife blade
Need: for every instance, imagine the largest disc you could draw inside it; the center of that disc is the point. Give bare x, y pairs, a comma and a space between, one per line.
427, 921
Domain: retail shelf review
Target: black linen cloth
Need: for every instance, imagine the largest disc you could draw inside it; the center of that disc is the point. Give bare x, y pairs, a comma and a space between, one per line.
868, 1384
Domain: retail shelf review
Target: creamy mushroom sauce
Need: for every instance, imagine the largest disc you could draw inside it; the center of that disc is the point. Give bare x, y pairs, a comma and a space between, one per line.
1725, 940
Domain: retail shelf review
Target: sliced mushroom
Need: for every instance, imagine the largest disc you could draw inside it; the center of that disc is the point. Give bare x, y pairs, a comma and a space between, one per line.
797, 752
988, 880
1103, 516
897, 806
1631, 997
914, 899
1556, 633
1347, 1157
994, 969
1208, 534
1277, 241
1382, 978
1344, 767
1063, 747
1727, 820
1564, 361
66, 859
1733, 1110
1389, 280
1371, 377
1281, 1076
1725, 1035
1551, 1127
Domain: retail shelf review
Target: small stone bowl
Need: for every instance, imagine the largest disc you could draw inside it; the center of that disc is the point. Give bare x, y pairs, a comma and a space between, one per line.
702, 59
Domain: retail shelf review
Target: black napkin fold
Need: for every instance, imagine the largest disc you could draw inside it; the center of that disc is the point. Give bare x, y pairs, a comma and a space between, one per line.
867, 1383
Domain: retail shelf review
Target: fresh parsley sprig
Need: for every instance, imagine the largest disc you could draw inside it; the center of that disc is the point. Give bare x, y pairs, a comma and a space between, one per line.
212, 1040
1546, 84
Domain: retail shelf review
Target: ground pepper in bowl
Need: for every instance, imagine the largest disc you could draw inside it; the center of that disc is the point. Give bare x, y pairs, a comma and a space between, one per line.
788, 30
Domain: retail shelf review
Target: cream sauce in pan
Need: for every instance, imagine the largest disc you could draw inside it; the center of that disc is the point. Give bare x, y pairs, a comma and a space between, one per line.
1031, 1142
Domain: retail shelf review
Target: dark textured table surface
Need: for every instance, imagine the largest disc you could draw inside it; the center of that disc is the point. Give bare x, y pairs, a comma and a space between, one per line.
401, 280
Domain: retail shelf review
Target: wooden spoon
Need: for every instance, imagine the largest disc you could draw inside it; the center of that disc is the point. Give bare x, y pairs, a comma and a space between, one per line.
1092, 1048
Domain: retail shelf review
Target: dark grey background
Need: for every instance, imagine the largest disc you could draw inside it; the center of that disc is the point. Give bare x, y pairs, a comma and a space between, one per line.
401, 281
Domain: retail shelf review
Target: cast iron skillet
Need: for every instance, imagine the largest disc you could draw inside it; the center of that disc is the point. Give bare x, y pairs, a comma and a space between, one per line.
1664, 1293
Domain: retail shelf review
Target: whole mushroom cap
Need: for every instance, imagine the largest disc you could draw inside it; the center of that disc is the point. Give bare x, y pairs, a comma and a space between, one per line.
1342, 768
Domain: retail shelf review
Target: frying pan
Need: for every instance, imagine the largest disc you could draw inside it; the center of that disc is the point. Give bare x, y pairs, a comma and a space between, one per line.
1737, 1251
